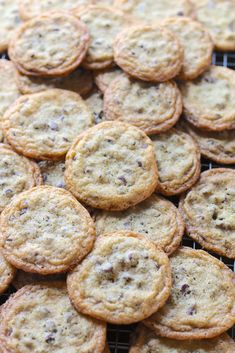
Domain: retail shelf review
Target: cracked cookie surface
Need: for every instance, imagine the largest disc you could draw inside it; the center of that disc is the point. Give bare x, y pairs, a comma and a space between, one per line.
7, 273
9, 21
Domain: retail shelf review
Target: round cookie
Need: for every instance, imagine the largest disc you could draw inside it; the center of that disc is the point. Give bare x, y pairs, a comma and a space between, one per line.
209, 101
96, 104
150, 53
152, 10
8, 79
208, 211
53, 173
202, 301
103, 78
178, 161
156, 218
219, 17
61, 231
17, 174
123, 280
25, 278
7, 273
79, 81
145, 341
43, 125
129, 171
41, 318
151, 107
218, 146
104, 23
197, 45
9, 21
49, 45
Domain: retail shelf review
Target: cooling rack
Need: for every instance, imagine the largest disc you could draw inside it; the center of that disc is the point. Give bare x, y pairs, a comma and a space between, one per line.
119, 336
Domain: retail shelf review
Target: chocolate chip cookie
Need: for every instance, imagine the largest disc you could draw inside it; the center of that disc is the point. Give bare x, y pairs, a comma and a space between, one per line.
53, 173
103, 78
9, 21
95, 102
7, 273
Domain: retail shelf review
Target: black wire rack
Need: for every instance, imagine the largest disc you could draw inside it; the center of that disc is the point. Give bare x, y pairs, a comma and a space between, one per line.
119, 336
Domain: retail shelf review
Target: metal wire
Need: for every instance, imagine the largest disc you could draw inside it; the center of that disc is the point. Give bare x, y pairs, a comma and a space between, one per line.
119, 336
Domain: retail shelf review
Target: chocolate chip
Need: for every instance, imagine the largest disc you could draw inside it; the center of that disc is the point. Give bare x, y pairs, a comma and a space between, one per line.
123, 179
180, 13
50, 338
210, 79
185, 289
140, 164
192, 310
8, 192
23, 211
53, 126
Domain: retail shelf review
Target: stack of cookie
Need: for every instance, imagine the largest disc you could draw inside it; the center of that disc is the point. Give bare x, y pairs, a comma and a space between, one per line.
106, 108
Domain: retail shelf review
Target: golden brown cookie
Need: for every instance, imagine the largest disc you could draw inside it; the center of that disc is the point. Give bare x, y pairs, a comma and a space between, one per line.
156, 218
22, 279
104, 23
8, 79
209, 101
103, 78
145, 341
202, 301
112, 166
178, 161
41, 318
197, 45
151, 107
218, 146
208, 210
53, 173
7, 273
17, 174
123, 280
46, 230
52, 44
152, 10
43, 125
79, 81
9, 21
219, 17
96, 104
150, 53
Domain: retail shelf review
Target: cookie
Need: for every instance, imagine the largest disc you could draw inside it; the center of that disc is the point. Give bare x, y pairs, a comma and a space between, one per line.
104, 23
219, 17
152, 10
17, 174
146, 341
61, 231
123, 280
95, 102
7, 273
41, 319
178, 161
150, 53
79, 81
218, 146
151, 107
208, 211
9, 21
103, 78
43, 125
209, 101
32, 8
128, 174
53, 173
202, 301
25, 278
197, 45
8, 79
49, 45
156, 218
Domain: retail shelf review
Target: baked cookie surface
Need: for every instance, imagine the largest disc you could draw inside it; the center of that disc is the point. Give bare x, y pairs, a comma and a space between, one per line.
151, 107
17, 174
156, 218
209, 101
51, 324
208, 210
103, 78
202, 302
61, 231
53, 173
197, 45
178, 161
146, 341
123, 280
95, 102
43, 125
7, 273
37, 49
149, 53
9, 21
128, 174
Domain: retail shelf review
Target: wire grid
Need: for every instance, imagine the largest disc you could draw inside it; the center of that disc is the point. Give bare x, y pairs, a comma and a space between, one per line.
119, 335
